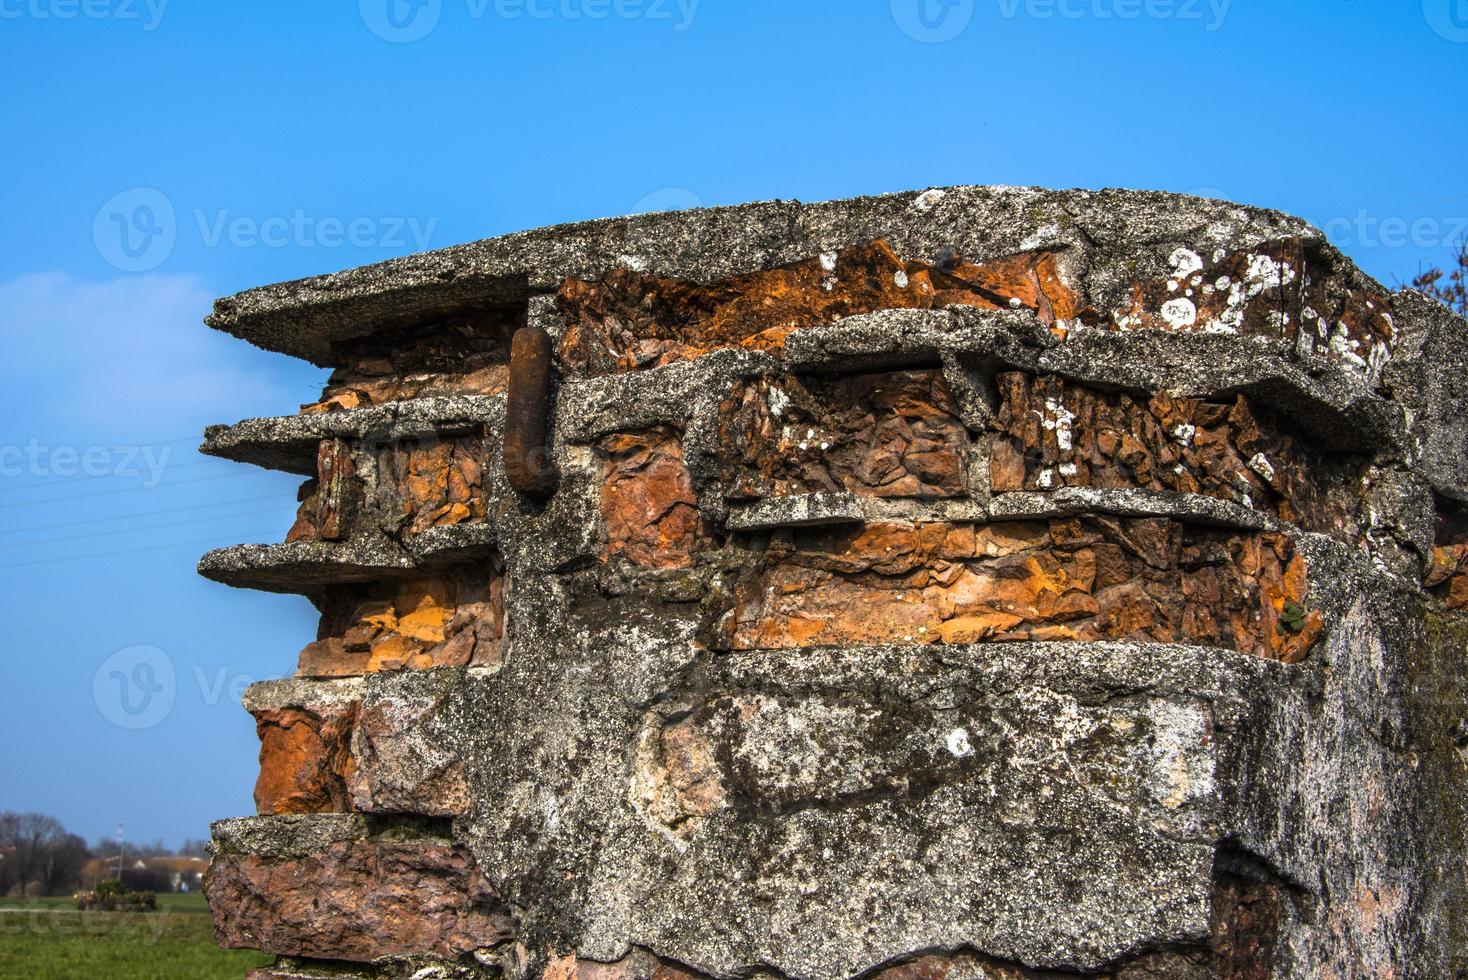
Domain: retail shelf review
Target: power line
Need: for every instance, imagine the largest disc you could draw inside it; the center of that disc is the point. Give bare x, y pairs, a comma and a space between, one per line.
146, 527
109, 493
68, 480
146, 513
130, 551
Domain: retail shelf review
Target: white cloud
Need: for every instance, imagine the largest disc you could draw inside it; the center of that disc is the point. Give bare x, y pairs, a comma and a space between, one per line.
130, 356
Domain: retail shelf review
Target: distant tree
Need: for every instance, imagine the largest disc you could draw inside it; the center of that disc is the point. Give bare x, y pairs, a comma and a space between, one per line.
38, 855
194, 848
1451, 287
108, 848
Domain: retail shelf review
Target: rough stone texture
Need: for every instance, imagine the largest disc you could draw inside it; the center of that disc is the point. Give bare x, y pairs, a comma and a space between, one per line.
934, 588
883, 435
359, 896
630, 320
648, 500
1081, 579
305, 745
328, 501
1057, 434
416, 624
437, 484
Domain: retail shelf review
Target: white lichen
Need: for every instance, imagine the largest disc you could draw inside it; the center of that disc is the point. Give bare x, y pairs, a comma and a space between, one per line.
959, 744
927, 200
1180, 313
1186, 263
1061, 421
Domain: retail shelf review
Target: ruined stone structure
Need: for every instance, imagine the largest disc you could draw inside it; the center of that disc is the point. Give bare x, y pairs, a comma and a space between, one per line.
983, 582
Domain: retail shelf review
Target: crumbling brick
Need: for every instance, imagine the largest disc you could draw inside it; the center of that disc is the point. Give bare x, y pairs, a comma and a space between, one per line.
648, 500
1084, 579
358, 900
437, 483
880, 435
329, 502
305, 759
463, 354
1055, 433
632, 320
444, 621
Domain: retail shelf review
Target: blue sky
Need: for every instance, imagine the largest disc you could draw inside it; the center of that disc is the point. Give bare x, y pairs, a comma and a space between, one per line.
270, 140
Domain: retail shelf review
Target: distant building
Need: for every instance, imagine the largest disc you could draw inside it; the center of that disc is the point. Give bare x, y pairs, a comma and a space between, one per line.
173, 874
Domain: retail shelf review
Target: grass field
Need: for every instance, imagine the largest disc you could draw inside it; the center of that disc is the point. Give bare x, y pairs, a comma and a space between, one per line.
47, 939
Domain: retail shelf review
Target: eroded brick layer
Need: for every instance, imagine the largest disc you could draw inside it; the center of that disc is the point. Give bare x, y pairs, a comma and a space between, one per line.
1091, 578
648, 501
331, 500
1447, 574
1055, 433
437, 483
882, 435
451, 620
464, 354
1285, 288
305, 759
358, 900
632, 320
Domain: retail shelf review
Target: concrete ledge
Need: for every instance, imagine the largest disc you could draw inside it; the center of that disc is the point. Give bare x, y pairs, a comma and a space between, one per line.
289, 443
306, 317
304, 567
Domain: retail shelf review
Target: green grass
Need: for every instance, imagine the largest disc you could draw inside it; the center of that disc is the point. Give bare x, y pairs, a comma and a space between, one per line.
47, 939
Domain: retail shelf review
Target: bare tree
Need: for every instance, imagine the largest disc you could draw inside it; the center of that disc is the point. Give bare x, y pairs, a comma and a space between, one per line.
1451, 287
38, 855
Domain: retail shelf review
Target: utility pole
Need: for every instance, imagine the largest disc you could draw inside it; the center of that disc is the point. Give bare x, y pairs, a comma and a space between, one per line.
119, 851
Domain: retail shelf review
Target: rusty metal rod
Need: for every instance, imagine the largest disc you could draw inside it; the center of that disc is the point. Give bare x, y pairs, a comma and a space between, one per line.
528, 462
